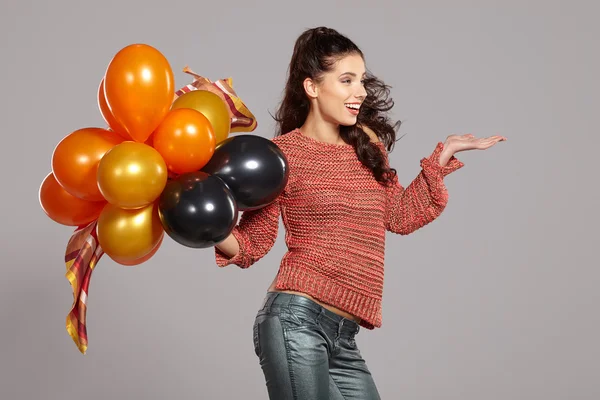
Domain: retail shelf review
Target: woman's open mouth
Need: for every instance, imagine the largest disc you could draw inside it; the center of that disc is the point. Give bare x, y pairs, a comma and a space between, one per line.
353, 108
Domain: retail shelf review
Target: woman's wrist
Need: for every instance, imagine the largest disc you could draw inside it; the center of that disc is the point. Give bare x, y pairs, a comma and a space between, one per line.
446, 154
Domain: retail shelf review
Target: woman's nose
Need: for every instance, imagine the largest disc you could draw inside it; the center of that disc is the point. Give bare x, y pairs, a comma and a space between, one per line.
362, 93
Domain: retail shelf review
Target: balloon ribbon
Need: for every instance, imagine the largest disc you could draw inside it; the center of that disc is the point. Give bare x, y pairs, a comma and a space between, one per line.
242, 119
82, 255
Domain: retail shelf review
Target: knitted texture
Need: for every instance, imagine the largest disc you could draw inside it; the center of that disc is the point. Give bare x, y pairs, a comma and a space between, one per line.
335, 216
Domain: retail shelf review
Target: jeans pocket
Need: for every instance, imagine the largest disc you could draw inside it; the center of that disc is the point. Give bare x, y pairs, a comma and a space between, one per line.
297, 317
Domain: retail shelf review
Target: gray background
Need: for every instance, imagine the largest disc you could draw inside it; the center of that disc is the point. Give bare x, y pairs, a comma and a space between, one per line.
497, 299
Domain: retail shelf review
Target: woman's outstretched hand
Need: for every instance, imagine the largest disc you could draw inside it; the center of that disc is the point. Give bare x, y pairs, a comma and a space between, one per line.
458, 143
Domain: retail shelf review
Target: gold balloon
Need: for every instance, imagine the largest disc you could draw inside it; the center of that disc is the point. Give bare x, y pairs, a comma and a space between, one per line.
132, 175
211, 106
128, 235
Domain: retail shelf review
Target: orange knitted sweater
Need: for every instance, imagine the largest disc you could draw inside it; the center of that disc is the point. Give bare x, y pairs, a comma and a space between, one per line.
335, 216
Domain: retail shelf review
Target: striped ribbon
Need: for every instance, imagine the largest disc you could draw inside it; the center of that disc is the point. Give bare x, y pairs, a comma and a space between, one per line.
82, 255
242, 120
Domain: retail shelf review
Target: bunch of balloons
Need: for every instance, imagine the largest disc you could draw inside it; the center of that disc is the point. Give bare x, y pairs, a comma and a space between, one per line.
161, 165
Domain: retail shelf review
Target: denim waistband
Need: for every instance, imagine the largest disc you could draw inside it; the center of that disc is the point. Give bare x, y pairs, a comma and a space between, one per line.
323, 315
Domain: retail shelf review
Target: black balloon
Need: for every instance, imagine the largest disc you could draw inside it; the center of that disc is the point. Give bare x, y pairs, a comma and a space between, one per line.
254, 168
197, 210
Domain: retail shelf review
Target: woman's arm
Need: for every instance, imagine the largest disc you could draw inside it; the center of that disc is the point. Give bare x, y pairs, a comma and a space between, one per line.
252, 237
229, 247
424, 199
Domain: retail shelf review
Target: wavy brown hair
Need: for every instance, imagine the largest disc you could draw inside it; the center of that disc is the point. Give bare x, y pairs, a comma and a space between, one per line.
315, 52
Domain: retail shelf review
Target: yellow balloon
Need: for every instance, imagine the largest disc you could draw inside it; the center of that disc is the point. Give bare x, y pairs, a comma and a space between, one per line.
128, 235
132, 175
211, 106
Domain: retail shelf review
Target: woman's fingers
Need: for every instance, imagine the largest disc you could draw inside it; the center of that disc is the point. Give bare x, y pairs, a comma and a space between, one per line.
489, 142
470, 136
469, 142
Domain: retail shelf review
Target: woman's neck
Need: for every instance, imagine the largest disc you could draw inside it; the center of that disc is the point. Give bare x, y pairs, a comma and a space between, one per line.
321, 130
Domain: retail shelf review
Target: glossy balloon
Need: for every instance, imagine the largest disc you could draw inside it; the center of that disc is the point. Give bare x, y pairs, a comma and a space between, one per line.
139, 89
107, 115
254, 168
197, 210
211, 106
132, 175
129, 235
76, 158
63, 207
185, 139
145, 258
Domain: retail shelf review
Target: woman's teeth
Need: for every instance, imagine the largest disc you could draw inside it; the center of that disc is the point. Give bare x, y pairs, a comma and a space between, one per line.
353, 106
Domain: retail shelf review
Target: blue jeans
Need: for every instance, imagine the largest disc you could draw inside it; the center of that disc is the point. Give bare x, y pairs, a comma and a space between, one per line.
308, 352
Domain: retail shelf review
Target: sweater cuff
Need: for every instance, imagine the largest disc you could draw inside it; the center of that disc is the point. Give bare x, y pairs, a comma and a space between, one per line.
240, 259
434, 174
431, 165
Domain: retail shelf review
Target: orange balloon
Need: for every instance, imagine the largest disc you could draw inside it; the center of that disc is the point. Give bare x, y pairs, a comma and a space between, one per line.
76, 157
139, 89
213, 107
150, 141
65, 208
185, 139
107, 115
142, 259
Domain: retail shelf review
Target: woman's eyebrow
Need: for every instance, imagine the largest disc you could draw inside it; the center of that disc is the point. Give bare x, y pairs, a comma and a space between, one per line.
352, 74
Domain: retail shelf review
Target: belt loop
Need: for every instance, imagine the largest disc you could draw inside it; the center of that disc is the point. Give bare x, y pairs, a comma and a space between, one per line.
271, 296
290, 299
318, 318
339, 330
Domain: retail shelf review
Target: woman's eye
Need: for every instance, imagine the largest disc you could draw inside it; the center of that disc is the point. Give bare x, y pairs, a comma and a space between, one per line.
346, 81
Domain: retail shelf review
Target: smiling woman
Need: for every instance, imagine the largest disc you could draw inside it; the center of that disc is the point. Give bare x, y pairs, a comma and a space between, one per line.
338, 95
330, 95
340, 199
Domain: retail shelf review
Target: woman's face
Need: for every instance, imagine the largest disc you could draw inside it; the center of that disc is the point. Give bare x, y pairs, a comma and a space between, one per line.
339, 95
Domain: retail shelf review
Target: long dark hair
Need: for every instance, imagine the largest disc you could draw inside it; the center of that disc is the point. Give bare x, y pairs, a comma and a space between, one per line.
315, 52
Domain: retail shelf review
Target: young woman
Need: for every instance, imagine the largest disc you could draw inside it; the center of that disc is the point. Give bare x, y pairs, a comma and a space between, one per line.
340, 199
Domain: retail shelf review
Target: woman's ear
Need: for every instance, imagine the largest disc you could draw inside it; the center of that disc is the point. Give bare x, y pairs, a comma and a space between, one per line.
310, 87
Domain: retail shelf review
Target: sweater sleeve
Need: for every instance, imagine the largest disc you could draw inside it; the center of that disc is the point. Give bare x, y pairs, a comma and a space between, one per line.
424, 198
256, 234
